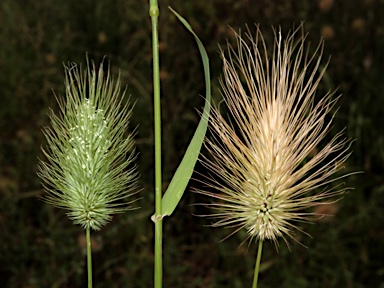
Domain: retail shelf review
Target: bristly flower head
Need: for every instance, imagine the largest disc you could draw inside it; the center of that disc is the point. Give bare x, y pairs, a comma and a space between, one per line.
266, 161
89, 170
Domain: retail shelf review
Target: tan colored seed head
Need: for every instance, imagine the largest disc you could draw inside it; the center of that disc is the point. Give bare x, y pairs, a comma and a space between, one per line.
267, 165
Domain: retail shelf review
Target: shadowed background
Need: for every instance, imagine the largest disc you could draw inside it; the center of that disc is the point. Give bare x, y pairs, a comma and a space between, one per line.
39, 246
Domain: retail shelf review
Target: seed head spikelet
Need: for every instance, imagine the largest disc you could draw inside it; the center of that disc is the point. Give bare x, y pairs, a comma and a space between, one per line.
264, 171
90, 170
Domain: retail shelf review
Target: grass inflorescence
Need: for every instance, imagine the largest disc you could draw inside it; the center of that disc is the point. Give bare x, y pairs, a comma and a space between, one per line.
90, 170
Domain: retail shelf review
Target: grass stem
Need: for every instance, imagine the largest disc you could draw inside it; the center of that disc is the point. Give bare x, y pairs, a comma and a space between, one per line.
257, 266
89, 256
154, 14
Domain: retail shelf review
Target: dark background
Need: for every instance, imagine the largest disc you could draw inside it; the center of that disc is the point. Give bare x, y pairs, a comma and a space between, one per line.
39, 246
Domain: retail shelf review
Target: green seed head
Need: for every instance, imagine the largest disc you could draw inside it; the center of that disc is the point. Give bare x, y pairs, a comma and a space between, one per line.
90, 169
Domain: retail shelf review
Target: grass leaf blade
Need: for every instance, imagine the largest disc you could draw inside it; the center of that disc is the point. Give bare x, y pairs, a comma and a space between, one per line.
184, 172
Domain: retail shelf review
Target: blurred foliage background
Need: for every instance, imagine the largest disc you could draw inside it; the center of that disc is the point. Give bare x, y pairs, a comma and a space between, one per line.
39, 246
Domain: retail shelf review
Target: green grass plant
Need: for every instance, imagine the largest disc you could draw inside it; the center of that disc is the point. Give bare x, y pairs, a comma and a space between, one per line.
87, 171
90, 170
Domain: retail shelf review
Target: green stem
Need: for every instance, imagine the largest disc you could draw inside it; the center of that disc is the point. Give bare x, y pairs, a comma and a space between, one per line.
154, 14
257, 266
89, 256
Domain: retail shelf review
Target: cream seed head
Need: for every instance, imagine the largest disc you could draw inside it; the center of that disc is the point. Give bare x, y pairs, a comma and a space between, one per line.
90, 170
264, 173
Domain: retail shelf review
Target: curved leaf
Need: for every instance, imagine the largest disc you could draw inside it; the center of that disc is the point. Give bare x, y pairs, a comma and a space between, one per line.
184, 172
